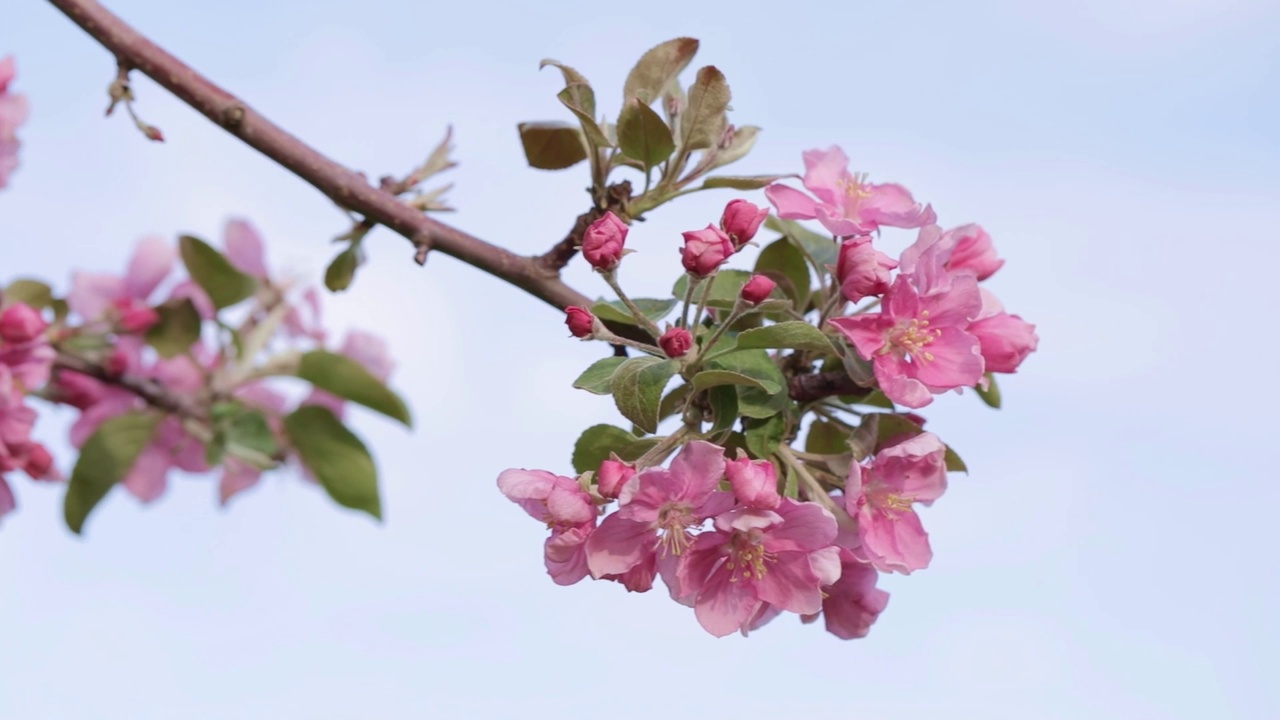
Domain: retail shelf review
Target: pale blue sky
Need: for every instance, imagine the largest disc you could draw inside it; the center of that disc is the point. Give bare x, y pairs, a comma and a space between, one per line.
1111, 556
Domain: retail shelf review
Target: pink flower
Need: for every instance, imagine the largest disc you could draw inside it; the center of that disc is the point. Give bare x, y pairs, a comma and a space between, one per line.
705, 250
676, 342
94, 295
612, 476
853, 603
753, 557
847, 204
603, 241
754, 482
880, 498
862, 270
658, 507
757, 290
1006, 340
918, 344
741, 220
13, 113
963, 250
565, 507
580, 321
20, 323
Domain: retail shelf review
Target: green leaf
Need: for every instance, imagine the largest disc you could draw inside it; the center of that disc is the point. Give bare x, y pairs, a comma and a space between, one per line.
214, 273
764, 435
337, 458
617, 311
348, 379
783, 262
756, 402
744, 138
796, 334
874, 399
741, 182
552, 145
106, 457
826, 438
596, 378
724, 292
29, 292
822, 249
581, 101
178, 328
657, 68
954, 463
791, 487
243, 432
340, 273
673, 402
990, 396
596, 442
704, 122
715, 378
637, 389
724, 408
643, 135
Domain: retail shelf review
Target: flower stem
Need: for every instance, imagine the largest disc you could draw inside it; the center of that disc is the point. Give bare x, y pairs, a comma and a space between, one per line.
645, 322
659, 452
813, 490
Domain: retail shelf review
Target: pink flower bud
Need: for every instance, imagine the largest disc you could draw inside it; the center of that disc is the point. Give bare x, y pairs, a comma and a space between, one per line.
153, 133
117, 364
613, 474
39, 463
741, 221
705, 250
77, 389
754, 482
676, 342
580, 321
20, 323
602, 242
862, 270
757, 290
1006, 340
135, 316
973, 251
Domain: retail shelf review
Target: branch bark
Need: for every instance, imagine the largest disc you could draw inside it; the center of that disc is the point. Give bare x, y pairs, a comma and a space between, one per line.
149, 390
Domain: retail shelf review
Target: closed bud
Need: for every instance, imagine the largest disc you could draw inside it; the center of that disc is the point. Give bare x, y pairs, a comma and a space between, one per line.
135, 317
20, 323
580, 321
39, 463
676, 342
117, 364
754, 482
705, 250
602, 242
757, 290
741, 221
862, 270
614, 473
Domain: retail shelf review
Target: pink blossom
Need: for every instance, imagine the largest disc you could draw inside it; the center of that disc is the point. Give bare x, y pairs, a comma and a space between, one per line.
676, 342
658, 507
853, 603
1006, 340
757, 289
963, 250
603, 241
94, 295
13, 113
918, 344
612, 476
753, 557
862, 270
20, 323
741, 220
565, 507
847, 204
705, 250
880, 497
754, 482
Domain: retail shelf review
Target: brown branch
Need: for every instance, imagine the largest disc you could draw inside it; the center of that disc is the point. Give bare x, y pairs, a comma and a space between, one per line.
149, 390
815, 386
344, 186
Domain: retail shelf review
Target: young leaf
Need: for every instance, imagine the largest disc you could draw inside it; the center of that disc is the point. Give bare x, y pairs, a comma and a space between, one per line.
346, 378
990, 396
220, 280
657, 68
643, 135
744, 138
953, 461
571, 76
106, 457
340, 273
617, 311
796, 334
826, 438
29, 292
637, 389
552, 145
741, 182
704, 122
724, 292
596, 379
337, 458
596, 442
581, 101
715, 378
178, 328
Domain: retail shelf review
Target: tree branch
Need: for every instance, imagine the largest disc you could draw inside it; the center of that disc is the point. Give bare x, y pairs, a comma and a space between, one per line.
156, 394
815, 386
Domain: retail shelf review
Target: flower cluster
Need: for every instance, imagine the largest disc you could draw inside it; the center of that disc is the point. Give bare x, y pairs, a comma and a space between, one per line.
798, 466
172, 373
13, 113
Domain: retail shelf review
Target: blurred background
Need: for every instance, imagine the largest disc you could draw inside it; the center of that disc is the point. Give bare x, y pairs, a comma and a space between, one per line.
1110, 556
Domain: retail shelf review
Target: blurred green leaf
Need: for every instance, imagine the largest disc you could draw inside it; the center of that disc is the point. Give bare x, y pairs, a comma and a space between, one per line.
990, 396
340, 375
34, 293
337, 458
340, 273
552, 145
178, 328
105, 458
741, 182
214, 273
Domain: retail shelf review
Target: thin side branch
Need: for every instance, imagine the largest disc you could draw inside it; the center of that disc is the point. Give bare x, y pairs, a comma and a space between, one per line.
150, 390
